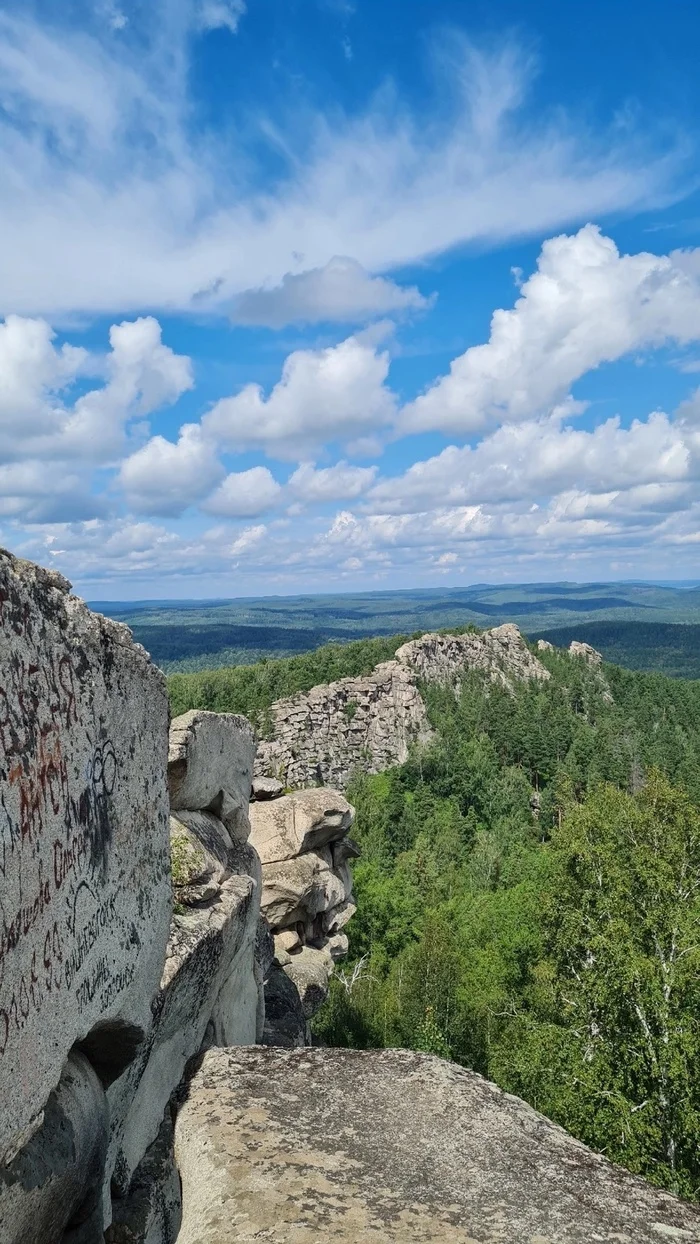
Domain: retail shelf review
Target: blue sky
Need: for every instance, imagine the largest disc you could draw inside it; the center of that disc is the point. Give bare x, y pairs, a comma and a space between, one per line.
325, 295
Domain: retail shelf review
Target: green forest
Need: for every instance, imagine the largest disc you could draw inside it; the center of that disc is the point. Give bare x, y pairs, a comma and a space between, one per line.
528, 904
528, 893
638, 625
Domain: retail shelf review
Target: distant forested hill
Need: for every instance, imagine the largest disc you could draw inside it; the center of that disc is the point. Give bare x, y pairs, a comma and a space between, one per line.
671, 649
203, 635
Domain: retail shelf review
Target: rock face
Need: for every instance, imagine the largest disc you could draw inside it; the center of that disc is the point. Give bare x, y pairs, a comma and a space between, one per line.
589, 654
367, 724
306, 898
210, 991
501, 653
106, 992
84, 873
422, 1150
210, 759
54, 1183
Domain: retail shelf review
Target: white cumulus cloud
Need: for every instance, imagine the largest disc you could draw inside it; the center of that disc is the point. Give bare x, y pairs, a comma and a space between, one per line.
37, 417
585, 305
329, 395
166, 478
340, 482
244, 494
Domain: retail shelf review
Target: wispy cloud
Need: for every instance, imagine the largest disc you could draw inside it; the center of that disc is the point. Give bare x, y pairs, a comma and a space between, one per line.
220, 14
122, 205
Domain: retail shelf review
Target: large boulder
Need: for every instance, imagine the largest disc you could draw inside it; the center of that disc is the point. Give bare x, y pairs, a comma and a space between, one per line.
84, 861
210, 762
53, 1184
310, 971
300, 822
285, 1023
300, 889
422, 1150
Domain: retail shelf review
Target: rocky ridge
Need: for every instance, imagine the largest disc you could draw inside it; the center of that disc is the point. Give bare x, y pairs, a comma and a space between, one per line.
368, 724
133, 905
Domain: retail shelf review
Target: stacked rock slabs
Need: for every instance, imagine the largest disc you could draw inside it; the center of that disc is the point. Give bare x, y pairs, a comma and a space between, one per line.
303, 845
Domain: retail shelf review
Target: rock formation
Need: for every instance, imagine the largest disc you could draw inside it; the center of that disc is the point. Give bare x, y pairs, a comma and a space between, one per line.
368, 724
590, 655
129, 947
85, 881
302, 843
210, 990
372, 1147
149, 918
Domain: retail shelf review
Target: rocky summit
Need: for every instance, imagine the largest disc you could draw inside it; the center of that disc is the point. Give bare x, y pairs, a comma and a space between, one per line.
367, 724
173, 911
377, 1147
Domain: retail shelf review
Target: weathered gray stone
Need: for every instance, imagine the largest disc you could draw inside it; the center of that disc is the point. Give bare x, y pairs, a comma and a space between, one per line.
297, 823
263, 959
423, 1150
338, 945
590, 655
266, 788
197, 874
54, 1182
210, 767
208, 992
151, 1213
300, 889
543, 645
310, 971
85, 887
368, 724
324, 736
501, 653
336, 918
285, 1023
286, 943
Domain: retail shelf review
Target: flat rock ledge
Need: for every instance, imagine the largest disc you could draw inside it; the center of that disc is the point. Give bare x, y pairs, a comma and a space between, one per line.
375, 1147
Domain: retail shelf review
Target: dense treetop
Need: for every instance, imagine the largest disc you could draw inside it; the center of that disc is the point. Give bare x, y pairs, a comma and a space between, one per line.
529, 892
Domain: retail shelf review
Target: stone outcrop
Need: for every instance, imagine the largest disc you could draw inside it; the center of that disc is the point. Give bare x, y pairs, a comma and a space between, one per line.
84, 870
302, 843
210, 990
422, 1150
368, 724
155, 930
500, 653
590, 655
210, 759
132, 932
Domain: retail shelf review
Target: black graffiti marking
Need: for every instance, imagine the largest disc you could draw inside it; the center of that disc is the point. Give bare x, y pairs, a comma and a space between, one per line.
100, 919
